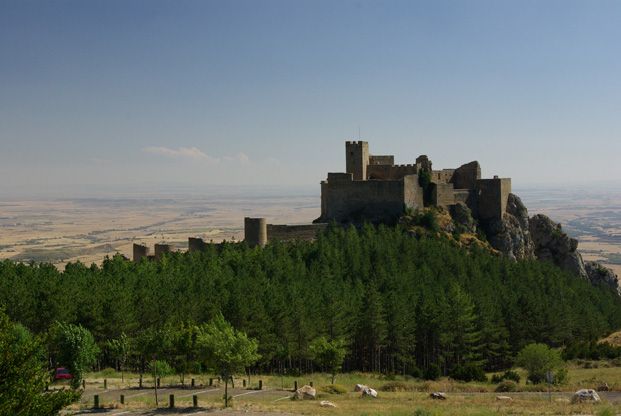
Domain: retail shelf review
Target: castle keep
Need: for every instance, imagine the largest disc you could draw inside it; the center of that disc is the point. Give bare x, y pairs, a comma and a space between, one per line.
373, 188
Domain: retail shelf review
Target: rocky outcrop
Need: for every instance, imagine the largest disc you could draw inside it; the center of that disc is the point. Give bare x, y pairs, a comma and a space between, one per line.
511, 234
462, 217
552, 244
600, 275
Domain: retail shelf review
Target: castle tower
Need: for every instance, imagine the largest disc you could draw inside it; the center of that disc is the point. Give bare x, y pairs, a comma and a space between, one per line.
357, 159
196, 244
161, 249
140, 252
255, 231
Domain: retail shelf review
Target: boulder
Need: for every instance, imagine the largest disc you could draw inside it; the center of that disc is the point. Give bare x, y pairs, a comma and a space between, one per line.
438, 395
360, 387
369, 392
585, 395
504, 398
305, 393
326, 403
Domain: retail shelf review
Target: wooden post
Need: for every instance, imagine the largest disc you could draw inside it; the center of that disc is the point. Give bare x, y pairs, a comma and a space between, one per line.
96, 401
158, 382
195, 400
171, 401
140, 382
193, 383
244, 382
122, 399
295, 385
105, 384
310, 383
210, 382
83, 384
260, 384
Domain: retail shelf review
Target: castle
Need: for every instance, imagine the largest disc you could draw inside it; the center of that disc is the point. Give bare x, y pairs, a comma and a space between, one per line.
374, 189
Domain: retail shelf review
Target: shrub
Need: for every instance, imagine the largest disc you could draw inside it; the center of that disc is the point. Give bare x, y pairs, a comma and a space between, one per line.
396, 386
507, 375
432, 372
108, 373
469, 372
333, 389
538, 359
415, 372
506, 386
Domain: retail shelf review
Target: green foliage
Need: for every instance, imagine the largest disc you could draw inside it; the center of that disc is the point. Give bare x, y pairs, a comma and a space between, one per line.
424, 180
507, 375
537, 360
426, 218
329, 354
226, 350
506, 386
606, 411
396, 386
24, 375
160, 368
469, 372
432, 372
120, 350
333, 389
394, 299
75, 348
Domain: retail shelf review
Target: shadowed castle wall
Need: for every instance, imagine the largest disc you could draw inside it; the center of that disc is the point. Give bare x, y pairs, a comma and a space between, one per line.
381, 160
196, 244
305, 232
357, 159
255, 231
139, 252
466, 176
492, 196
161, 249
390, 172
344, 199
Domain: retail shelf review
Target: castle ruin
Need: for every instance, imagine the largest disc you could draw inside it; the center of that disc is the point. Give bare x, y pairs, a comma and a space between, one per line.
374, 189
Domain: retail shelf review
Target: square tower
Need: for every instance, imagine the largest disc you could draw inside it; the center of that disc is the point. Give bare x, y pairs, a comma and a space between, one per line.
357, 159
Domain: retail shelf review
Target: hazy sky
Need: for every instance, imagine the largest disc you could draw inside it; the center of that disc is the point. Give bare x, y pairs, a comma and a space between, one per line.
266, 92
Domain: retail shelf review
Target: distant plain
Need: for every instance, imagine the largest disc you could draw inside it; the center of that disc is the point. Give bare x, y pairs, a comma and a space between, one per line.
62, 229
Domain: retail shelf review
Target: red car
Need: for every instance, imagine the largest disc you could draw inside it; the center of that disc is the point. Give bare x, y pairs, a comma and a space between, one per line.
62, 373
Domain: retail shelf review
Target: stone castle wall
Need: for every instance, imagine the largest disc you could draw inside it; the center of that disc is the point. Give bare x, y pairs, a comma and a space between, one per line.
304, 232
390, 172
492, 196
345, 200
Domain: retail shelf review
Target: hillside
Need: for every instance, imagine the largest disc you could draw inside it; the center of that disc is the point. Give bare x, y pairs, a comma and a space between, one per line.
403, 303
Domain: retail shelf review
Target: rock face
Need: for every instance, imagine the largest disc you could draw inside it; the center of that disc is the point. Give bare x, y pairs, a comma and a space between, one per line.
462, 216
511, 234
600, 275
552, 244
